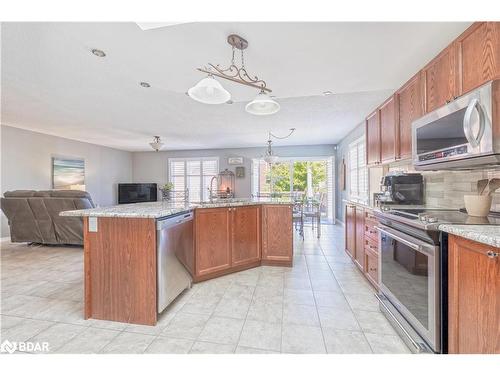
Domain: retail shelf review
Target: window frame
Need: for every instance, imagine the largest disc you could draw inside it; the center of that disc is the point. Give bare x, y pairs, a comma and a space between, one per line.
359, 169
200, 159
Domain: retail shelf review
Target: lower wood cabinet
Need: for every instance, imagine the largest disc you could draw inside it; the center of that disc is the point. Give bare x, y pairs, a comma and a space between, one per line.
350, 229
473, 297
212, 240
231, 239
359, 254
277, 235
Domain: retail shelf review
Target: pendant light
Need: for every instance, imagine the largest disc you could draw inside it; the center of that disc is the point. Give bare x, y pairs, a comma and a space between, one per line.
157, 144
209, 91
270, 157
262, 105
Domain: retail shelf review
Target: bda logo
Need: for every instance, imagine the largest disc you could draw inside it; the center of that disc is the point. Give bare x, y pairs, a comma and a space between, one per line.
8, 347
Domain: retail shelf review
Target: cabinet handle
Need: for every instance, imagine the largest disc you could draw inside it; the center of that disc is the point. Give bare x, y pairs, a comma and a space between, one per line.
373, 269
491, 254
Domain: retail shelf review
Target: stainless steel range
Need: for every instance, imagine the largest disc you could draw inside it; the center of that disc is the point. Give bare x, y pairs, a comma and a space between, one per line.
413, 272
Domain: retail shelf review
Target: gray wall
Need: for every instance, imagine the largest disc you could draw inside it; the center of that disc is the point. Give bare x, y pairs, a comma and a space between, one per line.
26, 164
342, 150
153, 166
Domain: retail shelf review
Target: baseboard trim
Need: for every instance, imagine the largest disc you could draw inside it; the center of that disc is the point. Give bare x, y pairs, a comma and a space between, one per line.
5, 239
340, 222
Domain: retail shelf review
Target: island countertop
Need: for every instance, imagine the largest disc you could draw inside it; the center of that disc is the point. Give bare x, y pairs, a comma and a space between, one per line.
486, 234
156, 210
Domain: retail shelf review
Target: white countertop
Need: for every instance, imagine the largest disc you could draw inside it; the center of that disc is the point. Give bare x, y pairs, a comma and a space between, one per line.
486, 234
155, 210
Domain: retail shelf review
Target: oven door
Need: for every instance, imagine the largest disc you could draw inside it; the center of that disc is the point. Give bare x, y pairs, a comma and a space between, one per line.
409, 279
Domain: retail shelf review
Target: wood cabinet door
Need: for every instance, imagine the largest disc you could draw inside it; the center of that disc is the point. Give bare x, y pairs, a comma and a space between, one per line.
373, 139
473, 297
478, 53
350, 230
410, 107
371, 267
359, 255
439, 79
277, 233
245, 239
213, 234
389, 139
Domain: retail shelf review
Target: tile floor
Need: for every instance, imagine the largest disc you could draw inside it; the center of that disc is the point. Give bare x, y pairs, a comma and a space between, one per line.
321, 305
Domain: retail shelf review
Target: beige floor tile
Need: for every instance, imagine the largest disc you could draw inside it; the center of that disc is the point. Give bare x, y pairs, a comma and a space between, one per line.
345, 342
128, 343
168, 345
222, 330
200, 347
338, 318
300, 339
58, 334
7, 322
299, 297
25, 330
386, 344
265, 312
374, 322
92, 340
233, 307
185, 325
261, 335
362, 302
245, 350
300, 314
331, 299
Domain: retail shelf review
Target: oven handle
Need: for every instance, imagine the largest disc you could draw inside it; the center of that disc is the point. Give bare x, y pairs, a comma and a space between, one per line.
473, 140
414, 343
410, 244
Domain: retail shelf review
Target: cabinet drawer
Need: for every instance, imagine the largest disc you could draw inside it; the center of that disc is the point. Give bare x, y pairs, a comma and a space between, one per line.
369, 215
371, 245
370, 231
371, 262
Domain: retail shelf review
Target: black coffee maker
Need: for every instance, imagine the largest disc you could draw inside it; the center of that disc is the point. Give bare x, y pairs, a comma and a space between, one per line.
402, 188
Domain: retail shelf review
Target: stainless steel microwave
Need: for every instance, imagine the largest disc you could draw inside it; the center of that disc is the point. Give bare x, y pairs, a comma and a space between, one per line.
462, 134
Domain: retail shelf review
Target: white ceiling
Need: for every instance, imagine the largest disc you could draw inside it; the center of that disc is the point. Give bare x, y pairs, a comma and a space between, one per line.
52, 83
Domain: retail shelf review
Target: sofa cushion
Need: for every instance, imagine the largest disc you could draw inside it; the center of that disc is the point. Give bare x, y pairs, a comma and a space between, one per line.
19, 194
43, 193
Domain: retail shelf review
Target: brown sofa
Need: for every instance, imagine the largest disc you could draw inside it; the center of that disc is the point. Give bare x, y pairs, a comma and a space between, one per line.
34, 215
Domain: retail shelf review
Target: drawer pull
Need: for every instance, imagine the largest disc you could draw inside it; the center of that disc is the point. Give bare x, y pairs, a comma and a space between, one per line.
491, 254
373, 269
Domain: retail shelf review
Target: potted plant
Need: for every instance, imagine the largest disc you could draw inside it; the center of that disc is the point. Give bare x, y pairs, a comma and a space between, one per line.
166, 190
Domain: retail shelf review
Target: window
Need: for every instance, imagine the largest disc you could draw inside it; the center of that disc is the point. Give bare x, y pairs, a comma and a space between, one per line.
193, 174
358, 172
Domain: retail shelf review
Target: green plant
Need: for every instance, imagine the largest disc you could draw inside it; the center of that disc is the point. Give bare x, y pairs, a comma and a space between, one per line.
168, 186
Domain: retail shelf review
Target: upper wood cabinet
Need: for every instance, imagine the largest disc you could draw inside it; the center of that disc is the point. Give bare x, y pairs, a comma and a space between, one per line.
409, 102
389, 132
372, 130
277, 234
478, 55
439, 79
473, 297
213, 245
245, 239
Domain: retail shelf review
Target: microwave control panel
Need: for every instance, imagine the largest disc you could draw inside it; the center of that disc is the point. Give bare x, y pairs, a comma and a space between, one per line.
443, 154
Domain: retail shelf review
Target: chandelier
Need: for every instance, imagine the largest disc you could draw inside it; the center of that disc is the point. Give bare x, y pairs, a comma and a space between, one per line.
210, 91
157, 144
270, 157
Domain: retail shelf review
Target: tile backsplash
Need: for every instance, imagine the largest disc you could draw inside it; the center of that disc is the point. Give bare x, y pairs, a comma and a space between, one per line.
446, 189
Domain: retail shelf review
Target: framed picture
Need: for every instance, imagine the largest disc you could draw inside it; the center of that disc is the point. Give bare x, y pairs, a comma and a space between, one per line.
240, 172
68, 173
235, 160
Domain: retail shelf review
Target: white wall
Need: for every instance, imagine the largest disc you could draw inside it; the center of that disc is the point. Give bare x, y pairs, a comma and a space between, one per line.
26, 164
153, 166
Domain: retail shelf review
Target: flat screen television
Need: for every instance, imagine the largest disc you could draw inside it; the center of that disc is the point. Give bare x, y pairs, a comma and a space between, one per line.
136, 193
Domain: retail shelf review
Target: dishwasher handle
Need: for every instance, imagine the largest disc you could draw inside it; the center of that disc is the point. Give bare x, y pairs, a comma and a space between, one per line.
173, 220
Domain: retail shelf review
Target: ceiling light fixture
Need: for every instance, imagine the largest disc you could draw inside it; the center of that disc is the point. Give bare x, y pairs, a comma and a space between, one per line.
157, 144
270, 157
210, 91
145, 84
327, 93
98, 52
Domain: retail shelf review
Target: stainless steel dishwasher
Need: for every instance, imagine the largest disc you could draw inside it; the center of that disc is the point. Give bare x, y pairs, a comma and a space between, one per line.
174, 242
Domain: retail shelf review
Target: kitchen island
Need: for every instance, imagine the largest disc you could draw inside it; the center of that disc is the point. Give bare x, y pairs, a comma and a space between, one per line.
139, 257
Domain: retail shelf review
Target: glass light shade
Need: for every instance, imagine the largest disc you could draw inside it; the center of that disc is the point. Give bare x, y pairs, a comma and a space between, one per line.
271, 159
209, 91
262, 105
156, 145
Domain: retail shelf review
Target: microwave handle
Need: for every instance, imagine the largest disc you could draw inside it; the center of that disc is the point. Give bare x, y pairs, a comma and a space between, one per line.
473, 140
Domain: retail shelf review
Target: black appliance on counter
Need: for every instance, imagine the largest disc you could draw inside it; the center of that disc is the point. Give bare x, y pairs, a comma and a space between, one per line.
402, 188
413, 272
137, 193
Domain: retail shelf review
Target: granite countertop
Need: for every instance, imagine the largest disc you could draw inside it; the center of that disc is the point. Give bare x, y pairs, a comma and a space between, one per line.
486, 234
155, 210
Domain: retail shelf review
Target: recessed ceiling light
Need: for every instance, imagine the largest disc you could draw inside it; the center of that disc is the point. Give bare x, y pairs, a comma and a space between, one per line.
326, 93
98, 52
145, 84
